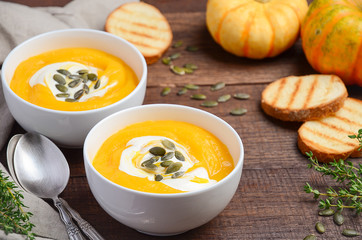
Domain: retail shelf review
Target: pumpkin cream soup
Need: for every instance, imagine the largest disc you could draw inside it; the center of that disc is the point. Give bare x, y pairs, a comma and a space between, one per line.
73, 79
163, 157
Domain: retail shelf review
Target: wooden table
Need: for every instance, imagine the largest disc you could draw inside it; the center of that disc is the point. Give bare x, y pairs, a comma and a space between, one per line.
270, 202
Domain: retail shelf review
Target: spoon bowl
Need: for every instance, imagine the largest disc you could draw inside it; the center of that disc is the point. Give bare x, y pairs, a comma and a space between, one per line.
40, 166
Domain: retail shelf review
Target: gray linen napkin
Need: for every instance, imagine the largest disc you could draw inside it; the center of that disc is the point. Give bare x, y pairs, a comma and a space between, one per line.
17, 24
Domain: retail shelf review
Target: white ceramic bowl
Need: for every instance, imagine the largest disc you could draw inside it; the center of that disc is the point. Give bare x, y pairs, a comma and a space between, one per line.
162, 214
69, 128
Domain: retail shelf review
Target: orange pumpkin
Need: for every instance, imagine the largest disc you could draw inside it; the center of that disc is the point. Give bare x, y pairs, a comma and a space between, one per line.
255, 28
332, 38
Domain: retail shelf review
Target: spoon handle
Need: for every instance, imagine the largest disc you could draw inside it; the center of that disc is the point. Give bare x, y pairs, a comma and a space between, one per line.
83, 224
72, 229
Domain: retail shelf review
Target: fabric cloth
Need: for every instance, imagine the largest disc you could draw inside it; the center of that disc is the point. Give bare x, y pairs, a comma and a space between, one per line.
17, 24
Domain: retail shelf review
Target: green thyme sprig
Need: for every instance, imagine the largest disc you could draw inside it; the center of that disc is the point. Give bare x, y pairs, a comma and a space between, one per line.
349, 196
13, 218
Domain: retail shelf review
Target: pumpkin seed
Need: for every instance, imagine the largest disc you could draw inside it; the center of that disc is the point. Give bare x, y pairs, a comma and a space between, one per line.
168, 144
182, 91
198, 96
320, 227
177, 44
166, 163
85, 78
174, 167
217, 86
191, 66
241, 96
78, 94
158, 177
82, 71
192, 48
165, 91
338, 218
209, 104
168, 156
310, 237
85, 88
178, 174
148, 162
224, 98
179, 156
98, 84
157, 151
92, 77
326, 212
191, 86
175, 56
188, 70
74, 76
59, 79
151, 166
62, 95
166, 61
64, 72
70, 100
177, 70
350, 233
61, 88
238, 111
74, 83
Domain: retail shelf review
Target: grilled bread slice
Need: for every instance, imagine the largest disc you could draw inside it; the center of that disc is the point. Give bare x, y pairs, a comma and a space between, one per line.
303, 98
144, 26
328, 137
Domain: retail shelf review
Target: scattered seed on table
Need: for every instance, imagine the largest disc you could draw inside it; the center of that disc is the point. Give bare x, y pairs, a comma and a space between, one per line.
191, 86
210, 103
241, 96
177, 70
326, 212
166, 61
217, 86
165, 91
175, 56
188, 70
182, 91
198, 96
338, 218
177, 44
192, 48
320, 227
350, 233
310, 237
224, 98
238, 111
190, 66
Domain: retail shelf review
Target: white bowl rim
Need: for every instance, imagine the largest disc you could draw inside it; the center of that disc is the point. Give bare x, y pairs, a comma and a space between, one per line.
139, 85
168, 195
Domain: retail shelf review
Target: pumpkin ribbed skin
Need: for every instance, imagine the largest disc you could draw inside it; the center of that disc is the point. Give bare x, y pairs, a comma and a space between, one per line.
255, 28
332, 38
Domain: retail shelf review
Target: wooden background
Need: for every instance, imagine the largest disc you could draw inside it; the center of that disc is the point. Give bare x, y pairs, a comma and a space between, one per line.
270, 202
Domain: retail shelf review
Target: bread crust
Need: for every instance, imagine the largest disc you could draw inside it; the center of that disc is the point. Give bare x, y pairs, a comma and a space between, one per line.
305, 114
112, 23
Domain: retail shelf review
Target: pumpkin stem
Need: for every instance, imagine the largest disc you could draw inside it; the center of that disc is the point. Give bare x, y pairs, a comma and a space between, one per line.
262, 1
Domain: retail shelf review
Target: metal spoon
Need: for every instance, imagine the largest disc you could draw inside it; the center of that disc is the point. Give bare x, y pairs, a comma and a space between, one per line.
39, 167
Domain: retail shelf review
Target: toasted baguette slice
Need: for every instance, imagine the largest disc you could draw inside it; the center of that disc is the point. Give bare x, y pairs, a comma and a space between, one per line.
328, 137
303, 98
144, 26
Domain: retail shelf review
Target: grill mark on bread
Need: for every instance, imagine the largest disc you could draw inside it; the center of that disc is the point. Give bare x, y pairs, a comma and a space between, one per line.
296, 89
309, 142
153, 38
311, 92
280, 89
326, 136
134, 11
117, 18
143, 44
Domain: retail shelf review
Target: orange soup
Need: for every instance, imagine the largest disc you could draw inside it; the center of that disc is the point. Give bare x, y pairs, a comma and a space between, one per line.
163, 157
73, 79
